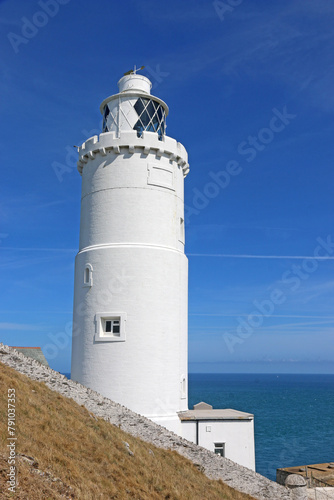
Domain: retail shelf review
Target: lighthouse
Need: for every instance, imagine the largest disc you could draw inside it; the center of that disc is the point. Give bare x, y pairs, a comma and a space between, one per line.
130, 338
131, 273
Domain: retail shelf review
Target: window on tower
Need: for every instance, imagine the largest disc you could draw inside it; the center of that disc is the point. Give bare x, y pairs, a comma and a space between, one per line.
116, 327
105, 117
140, 114
151, 117
110, 327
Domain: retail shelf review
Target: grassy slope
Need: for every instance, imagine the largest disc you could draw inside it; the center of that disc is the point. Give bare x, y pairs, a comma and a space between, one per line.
79, 456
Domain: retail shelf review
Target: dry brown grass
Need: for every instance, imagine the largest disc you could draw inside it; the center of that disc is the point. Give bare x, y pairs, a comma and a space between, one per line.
79, 456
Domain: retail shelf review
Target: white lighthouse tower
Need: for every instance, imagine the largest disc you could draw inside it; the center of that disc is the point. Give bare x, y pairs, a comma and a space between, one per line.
131, 273
130, 338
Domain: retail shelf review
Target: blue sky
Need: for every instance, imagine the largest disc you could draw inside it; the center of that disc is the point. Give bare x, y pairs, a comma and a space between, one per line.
250, 91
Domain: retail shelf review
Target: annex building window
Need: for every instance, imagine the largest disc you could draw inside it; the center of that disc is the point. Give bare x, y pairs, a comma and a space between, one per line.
110, 327
219, 449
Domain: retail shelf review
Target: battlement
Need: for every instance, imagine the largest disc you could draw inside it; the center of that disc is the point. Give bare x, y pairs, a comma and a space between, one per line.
130, 143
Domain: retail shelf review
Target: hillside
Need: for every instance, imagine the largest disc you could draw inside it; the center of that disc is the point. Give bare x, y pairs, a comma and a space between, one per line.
64, 451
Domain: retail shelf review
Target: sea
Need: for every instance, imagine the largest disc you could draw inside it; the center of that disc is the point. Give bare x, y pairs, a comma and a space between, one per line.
293, 414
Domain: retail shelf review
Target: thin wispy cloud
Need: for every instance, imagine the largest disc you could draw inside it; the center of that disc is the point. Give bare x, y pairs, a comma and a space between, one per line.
295, 326
41, 249
221, 79
186, 13
236, 315
269, 43
10, 261
36, 311
298, 324
19, 326
250, 256
232, 256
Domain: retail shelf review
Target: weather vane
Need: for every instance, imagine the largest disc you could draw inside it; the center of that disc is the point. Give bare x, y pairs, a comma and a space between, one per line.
134, 71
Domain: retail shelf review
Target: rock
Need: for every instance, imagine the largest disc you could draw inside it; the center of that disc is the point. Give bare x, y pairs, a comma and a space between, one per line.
297, 485
28, 459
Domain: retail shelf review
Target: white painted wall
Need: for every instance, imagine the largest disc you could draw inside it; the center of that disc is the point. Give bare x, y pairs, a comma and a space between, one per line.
238, 436
130, 236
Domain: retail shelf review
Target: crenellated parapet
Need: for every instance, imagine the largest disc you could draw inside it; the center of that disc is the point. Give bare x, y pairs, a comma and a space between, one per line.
129, 143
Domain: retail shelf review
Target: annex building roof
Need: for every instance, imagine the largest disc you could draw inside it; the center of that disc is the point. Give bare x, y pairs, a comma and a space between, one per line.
203, 411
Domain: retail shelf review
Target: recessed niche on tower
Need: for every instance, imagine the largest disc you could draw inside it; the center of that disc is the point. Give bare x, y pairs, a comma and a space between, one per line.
88, 275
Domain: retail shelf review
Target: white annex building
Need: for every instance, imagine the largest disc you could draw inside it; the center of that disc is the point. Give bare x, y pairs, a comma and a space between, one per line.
130, 338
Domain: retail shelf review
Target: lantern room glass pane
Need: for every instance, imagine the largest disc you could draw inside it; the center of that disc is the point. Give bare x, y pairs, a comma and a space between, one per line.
151, 117
105, 115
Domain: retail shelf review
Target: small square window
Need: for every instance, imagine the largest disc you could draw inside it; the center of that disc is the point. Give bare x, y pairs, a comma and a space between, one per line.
110, 327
